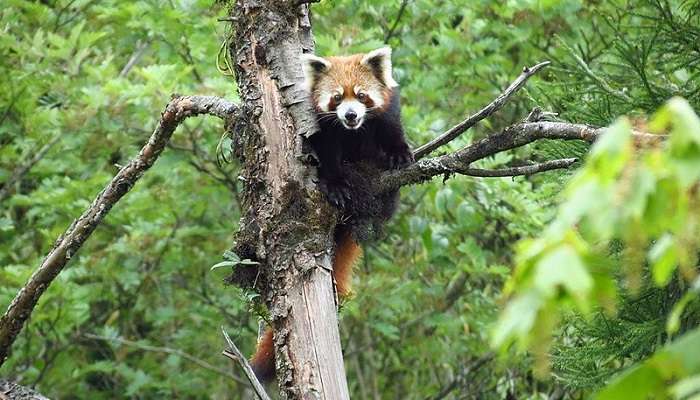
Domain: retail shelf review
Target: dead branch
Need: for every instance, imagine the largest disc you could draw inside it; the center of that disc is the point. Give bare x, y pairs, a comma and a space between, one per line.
233, 353
511, 137
65, 247
521, 170
168, 350
141, 48
491, 108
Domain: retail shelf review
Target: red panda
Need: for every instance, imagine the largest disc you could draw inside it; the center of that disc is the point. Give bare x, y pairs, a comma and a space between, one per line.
357, 106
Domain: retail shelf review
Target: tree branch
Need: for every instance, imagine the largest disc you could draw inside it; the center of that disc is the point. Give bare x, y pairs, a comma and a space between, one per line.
462, 376
391, 31
141, 48
522, 170
65, 247
511, 137
491, 108
168, 350
233, 353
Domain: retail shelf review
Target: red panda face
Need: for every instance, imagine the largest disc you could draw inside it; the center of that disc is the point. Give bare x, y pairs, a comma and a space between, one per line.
350, 88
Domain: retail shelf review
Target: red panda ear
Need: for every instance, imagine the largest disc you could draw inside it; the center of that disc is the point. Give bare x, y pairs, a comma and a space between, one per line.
313, 66
379, 61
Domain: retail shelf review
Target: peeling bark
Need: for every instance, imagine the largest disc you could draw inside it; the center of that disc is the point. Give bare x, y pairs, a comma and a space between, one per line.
12, 391
288, 225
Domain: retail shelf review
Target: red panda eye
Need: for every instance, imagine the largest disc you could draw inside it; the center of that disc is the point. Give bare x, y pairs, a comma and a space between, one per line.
337, 98
361, 96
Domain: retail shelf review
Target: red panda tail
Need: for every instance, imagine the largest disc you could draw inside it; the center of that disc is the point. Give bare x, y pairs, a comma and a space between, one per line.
263, 361
347, 252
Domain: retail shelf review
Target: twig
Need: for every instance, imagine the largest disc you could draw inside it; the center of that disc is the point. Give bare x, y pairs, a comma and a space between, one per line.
23, 169
522, 170
140, 50
491, 108
233, 353
65, 247
511, 137
463, 375
168, 350
390, 34
8, 109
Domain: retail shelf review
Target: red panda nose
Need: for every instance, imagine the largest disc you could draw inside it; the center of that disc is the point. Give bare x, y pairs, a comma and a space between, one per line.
350, 115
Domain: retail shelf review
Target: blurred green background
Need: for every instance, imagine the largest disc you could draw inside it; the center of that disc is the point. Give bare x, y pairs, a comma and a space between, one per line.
84, 82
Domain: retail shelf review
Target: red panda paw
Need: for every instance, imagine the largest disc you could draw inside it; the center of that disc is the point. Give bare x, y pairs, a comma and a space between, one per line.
400, 158
338, 193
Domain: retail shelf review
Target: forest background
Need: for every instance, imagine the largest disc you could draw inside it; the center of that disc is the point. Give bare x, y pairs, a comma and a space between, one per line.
138, 312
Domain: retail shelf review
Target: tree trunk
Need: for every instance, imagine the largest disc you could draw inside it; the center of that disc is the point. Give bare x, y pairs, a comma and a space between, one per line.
12, 391
287, 226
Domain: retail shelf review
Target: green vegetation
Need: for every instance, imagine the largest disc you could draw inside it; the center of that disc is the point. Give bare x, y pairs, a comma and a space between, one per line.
562, 285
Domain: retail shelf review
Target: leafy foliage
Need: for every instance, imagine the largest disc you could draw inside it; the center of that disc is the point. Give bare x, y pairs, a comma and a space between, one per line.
89, 78
646, 203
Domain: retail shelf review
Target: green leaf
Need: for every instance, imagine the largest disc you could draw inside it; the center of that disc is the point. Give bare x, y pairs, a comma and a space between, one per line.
611, 152
517, 320
562, 268
638, 383
223, 264
233, 263
686, 388
663, 257
673, 322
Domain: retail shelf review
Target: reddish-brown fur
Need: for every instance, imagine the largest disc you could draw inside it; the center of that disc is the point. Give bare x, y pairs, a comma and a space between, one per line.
263, 361
347, 252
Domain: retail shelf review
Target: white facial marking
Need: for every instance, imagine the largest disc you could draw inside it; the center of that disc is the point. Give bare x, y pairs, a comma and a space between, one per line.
374, 94
346, 108
376, 97
324, 100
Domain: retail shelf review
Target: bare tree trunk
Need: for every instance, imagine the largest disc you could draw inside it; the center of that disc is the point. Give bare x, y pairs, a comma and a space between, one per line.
287, 226
12, 391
